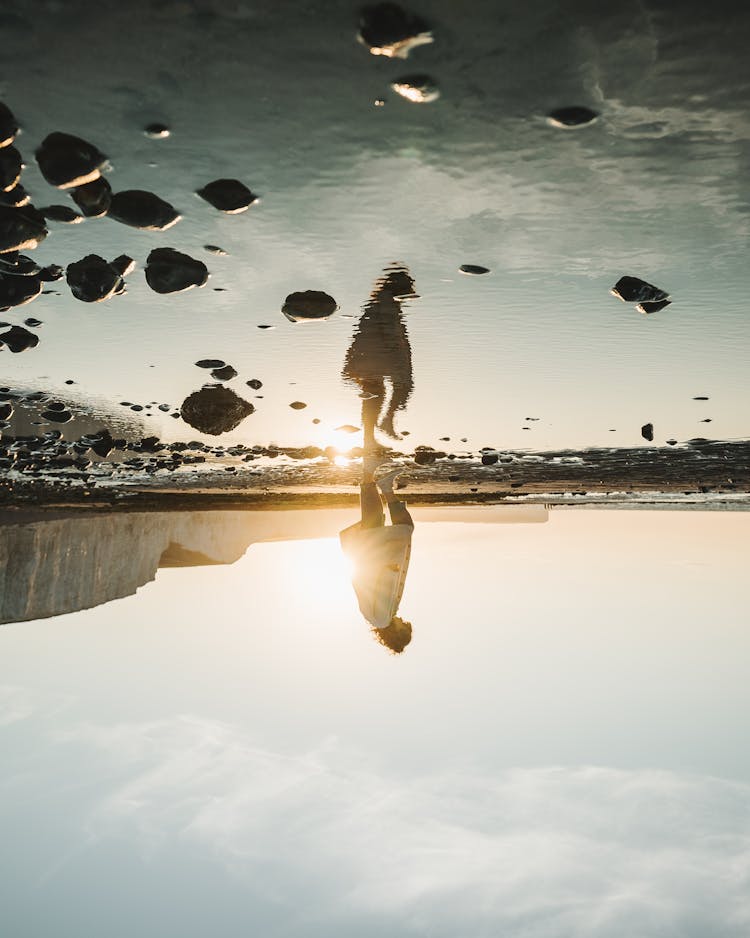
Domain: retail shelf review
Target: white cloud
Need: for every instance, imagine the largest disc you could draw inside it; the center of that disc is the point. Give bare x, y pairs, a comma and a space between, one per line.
536, 852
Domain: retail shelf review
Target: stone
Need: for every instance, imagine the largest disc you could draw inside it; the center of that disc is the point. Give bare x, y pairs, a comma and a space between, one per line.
123, 264
67, 161
17, 290
215, 410
15, 197
92, 279
228, 195
51, 273
21, 228
170, 271
156, 131
33, 324
298, 405
700, 398
575, 116
635, 290
8, 126
308, 305
210, 363
6, 410
11, 165
61, 213
224, 374
140, 209
94, 198
419, 89
57, 416
647, 432
255, 384
215, 249
489, 459
386, 29
473, 269
19, 339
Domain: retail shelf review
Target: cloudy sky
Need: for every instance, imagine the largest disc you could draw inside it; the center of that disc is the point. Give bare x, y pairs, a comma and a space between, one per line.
560, 750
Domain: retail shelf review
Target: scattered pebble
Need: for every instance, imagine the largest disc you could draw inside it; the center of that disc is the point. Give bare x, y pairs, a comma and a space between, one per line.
33, 323
11, 165
568, 117
92, 279
18, 290
266, 326
635, 290
15, 197
419, 89
6, 410
8, 126
228, 195
21, 228
51, 273
308, 305
57, 416
144, 210
156, 131
170, 271
215, 410
379, 102
94, 198
255, 384
67, 161
648, 308
210, 363
298, 405
700, 398
647, 432
316, 420
215, 249
123, 264
474, 269
61, 213
226, 373
19, 339
388, 30
706, 420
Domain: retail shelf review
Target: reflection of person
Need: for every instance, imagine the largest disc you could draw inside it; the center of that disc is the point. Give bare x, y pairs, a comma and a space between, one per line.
380, 350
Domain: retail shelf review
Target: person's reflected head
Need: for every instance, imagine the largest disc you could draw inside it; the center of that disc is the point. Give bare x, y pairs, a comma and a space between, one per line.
396, 636
397, 284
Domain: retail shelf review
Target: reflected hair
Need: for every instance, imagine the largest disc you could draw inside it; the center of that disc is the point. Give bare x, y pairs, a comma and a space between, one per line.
395, 636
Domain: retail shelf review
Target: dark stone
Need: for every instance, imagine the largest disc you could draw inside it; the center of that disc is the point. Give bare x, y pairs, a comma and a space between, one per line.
169, 271
388, 30
15, 197
94, 198
58, 416
6, 410
489, 459
575, 116
56, 405
215, 249
215, 410
474, 269
51, 273
144, 210
21, 228
255, 384
298, 405
647, 432
67, 161
634, 290
11, 165
32, 324
210, 363
61, 213
700, 398
123, 264
224, 374
706, 420
19, 339
8, 125
15, 291
93, 279
308, 305
156, 131
423, 457
228, 195
671, 442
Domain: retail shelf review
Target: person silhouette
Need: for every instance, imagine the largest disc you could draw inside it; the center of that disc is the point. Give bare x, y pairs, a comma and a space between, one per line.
380, 350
